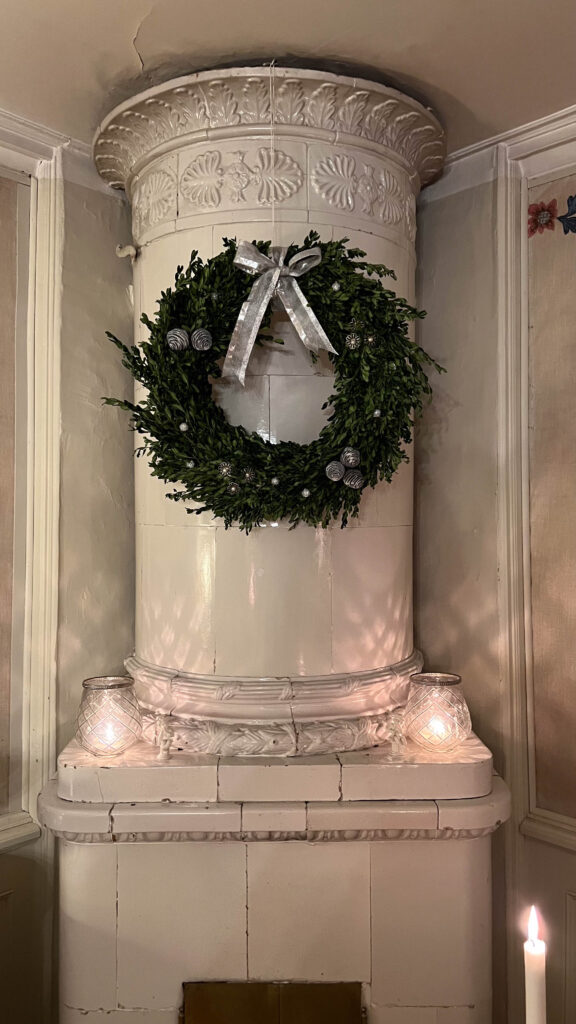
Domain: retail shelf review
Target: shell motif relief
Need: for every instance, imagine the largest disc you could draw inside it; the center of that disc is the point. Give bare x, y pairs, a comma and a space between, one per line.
154, 200
276, 176
379, 192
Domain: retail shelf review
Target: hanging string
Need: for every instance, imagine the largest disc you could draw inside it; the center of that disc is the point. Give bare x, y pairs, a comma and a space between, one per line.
272, 89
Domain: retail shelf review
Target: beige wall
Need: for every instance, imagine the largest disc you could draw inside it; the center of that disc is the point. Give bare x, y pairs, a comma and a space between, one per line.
96, 602
456, 567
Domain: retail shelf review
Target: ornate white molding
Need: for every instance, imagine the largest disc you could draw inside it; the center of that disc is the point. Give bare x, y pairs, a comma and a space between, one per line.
300, 103
375, 835
298, 715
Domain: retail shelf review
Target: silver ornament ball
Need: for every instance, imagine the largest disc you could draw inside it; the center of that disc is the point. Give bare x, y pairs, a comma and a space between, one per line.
350, 458
275, 481
335, 471
305, 492
336, 286
377, 414
178, 339
190, 463
353, 478
201, 339
225, 469
184, 427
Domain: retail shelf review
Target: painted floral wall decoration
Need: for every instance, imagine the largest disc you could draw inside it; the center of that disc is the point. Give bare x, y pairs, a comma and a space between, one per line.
542, 217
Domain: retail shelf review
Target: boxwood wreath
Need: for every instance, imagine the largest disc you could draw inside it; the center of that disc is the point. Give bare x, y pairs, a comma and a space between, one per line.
380, 382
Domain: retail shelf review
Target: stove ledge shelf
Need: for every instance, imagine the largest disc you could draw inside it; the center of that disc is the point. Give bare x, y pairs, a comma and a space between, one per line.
369, 775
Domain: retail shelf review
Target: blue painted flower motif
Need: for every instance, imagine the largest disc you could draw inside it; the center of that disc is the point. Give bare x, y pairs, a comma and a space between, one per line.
568, 220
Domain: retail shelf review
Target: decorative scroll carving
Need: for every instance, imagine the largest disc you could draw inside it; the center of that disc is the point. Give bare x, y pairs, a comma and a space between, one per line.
221, 100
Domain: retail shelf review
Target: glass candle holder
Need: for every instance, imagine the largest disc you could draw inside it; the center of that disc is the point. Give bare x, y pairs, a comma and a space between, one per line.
109, 720
436, 715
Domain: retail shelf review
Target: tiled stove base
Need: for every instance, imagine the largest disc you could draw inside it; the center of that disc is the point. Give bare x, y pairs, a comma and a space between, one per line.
314, 886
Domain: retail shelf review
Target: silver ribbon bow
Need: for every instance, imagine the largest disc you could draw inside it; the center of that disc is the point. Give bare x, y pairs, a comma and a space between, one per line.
275, 279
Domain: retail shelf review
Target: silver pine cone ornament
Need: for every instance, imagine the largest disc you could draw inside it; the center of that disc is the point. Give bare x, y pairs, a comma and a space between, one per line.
201, 339
335, 471
353, 478
350, 458
177, 339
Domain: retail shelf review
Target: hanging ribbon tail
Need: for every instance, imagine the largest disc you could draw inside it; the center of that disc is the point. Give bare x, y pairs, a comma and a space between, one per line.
248, 324
304, 320
274, 280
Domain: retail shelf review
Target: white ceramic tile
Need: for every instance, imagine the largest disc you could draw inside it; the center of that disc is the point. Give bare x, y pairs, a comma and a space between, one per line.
87, 874
174, 817
371, 597
274, 817
70, 1016
395, 814
388, 504
161, 782
482, 812
308, 911
243, 177
157, 262
264, 579
174, 598
419, 775
60, 815
296, 412
246, 406
135, 775
264, 779
402, 1015
431, 923
394, 253
191, 927
292, 358
150, 496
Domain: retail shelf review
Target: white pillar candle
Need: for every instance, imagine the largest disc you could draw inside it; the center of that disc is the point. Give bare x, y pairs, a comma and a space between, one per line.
535, 973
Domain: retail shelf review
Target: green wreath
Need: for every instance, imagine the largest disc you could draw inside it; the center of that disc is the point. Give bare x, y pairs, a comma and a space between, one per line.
379, 386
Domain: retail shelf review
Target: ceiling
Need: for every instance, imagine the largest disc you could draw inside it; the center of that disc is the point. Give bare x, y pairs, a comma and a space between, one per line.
485, 66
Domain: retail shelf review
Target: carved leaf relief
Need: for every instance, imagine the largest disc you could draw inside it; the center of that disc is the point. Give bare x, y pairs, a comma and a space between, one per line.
222, 107
378, 120
334, 179
289, 106
255, 103
202, 180
190, 109
351, 114
277, 175
322, 107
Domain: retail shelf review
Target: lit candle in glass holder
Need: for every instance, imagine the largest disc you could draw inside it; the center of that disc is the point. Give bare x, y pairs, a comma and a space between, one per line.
436, 715
109, 720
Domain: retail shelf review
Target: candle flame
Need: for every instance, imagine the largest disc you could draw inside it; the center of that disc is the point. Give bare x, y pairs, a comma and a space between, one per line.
533, 926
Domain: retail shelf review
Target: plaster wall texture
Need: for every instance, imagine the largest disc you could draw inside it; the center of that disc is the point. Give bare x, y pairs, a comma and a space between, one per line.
96, 586
456, 563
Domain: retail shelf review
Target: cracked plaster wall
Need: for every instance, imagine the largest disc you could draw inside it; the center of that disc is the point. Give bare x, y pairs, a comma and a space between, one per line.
96, 587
